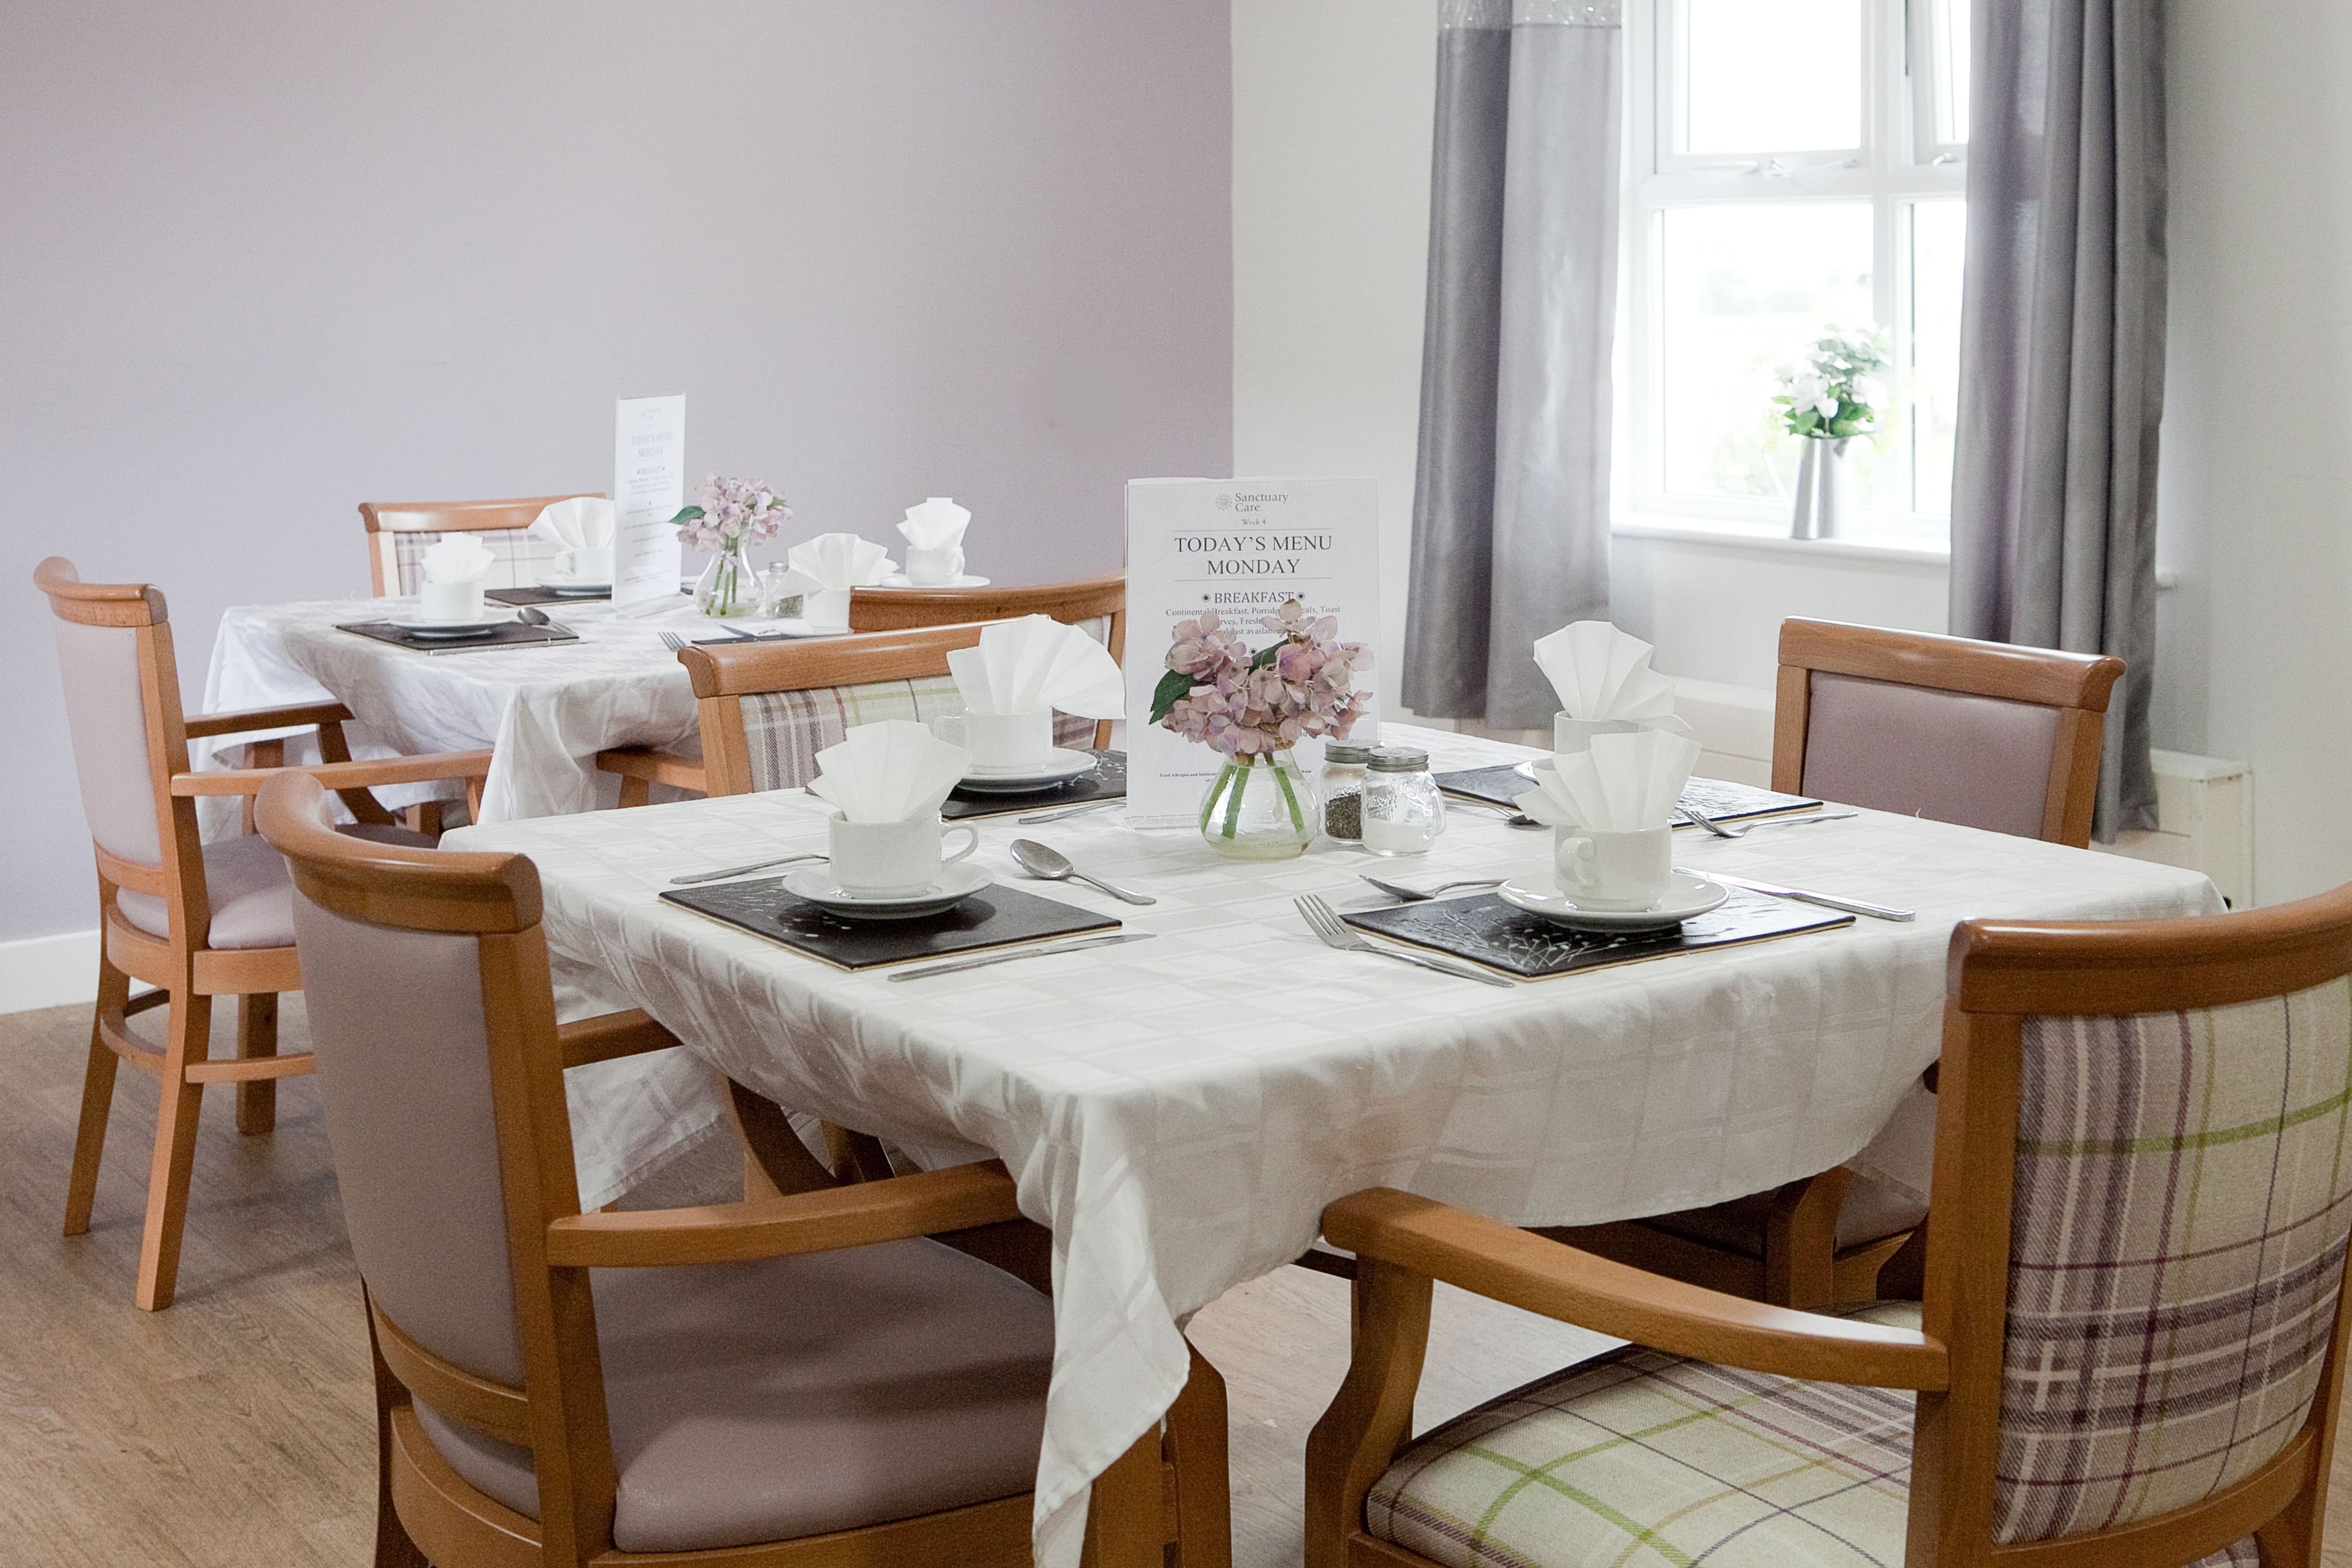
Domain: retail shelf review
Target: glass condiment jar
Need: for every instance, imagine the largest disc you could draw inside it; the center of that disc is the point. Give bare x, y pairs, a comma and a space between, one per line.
1339, 791
1404, 810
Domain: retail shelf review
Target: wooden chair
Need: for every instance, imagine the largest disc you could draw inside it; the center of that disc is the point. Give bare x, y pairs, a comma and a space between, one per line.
800, 1381
1984, 734
1099, 604
399, 532
2133, 1339
194, 921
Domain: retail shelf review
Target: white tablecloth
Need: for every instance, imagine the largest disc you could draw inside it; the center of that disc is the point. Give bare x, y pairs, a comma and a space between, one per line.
1180, 1110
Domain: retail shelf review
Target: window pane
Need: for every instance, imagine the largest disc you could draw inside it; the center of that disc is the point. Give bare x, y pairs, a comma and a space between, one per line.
1743, 292
1949, 43
1778, 77
1938, 241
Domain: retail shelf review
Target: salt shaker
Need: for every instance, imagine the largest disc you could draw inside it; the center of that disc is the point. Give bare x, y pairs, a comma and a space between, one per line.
1339, 791
1404, 811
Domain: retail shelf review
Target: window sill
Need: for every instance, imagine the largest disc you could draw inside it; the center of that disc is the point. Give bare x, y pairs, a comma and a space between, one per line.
1763, 539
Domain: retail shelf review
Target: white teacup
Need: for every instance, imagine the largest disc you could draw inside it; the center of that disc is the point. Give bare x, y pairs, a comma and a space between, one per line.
891, 859
1009, 741
593, 564
826, 609
1570, 736
934, 568
449, 601
1630, 870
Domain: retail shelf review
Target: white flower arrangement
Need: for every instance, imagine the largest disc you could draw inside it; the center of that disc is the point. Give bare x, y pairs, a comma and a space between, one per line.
1837, 392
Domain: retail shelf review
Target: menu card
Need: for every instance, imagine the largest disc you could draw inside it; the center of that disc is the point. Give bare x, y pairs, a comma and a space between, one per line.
1240, 547
648, 488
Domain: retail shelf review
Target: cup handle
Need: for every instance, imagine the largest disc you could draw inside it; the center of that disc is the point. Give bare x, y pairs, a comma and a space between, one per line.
972, 842
1574, 859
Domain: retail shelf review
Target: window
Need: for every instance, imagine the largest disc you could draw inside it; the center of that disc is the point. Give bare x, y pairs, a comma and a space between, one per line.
1795, 165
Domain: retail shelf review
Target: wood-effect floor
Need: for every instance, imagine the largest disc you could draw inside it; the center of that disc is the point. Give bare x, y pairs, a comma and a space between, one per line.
234, 1430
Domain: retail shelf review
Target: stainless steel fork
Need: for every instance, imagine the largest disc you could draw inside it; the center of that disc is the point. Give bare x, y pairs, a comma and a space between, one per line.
672, 641
1325, 922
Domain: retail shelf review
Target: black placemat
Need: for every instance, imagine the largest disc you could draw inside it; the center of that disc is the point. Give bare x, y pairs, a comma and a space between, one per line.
1107, 781
542, 597
1724, 801
506, 634
1485, 930
996, 916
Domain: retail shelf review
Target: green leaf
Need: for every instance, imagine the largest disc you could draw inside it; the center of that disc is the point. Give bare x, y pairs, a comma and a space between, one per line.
1173, 687
686, 514
1265, 655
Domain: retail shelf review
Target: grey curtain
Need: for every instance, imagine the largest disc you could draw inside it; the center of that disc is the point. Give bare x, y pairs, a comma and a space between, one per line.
2062, 355
1510, 516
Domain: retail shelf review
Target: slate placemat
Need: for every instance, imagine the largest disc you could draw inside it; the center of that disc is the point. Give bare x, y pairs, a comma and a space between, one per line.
996, 916
1726, 802
506, 634
1107, 781
1485, 930
542, 596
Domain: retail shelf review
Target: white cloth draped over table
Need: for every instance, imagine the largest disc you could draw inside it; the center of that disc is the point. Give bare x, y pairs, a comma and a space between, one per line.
1180, 1110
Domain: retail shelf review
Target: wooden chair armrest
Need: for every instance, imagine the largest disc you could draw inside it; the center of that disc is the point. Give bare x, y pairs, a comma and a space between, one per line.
422, 769
610, 1035
1507, 1264
292, 716
958, 1198
659, 767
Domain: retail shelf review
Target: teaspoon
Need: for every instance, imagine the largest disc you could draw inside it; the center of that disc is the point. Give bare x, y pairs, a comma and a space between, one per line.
1051, 865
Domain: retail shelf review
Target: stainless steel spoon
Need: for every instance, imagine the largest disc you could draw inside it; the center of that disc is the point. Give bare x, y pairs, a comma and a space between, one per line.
1049, 863
1421, 895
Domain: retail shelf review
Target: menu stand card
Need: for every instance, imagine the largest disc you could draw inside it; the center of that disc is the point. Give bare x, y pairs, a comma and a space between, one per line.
505, 635
1107, 781
649, 489
1240, 547
1485, 930
1724, 801
996, 916
520, 597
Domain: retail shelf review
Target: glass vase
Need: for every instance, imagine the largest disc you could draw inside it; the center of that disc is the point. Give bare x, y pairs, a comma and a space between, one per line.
1259, 808
729, 585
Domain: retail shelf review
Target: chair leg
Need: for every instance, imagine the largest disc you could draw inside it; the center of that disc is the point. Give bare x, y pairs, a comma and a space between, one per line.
636, 790
424, 817
394, 1548
1195, 1443
1125, 1518
256, 1036
97, 1098
176, 1108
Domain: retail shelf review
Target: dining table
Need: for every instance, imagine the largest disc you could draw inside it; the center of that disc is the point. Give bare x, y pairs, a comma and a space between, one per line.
1177, 1111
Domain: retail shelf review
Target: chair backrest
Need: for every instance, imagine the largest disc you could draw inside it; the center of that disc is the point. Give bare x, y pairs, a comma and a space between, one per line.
1984, 734
767, 708
1099, 604
399, 532
2137, 1240
122, 711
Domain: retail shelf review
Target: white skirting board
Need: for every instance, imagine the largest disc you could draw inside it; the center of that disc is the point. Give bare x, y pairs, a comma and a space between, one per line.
48, 971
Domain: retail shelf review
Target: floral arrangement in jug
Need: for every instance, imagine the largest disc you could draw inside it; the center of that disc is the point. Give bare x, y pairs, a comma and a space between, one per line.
1252, 708
731, 515
1836, 393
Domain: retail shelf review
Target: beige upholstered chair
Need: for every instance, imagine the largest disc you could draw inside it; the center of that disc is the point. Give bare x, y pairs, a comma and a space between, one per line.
195, 920
1983, 734
399, 532
2131, 1349
797, 1379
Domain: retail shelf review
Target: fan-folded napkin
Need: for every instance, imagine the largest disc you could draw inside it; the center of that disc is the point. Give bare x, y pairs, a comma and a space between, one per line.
895, 771
835, 563
1037, 663
582, 523
937, 524
1602, 673
457, 558
1623, 783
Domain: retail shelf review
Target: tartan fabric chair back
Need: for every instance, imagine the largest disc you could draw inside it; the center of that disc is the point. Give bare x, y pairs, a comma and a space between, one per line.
399, 532
785, 731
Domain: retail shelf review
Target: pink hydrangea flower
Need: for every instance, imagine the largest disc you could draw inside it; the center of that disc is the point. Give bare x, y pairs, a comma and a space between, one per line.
730, 512
1241, 705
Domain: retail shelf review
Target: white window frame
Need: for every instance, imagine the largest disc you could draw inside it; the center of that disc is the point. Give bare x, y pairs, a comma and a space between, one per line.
1897, 165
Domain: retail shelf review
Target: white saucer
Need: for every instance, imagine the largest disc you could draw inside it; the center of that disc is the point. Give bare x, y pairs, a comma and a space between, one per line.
480, 625
1685, 896
1060, 766
956, 883
901, 580
564, 587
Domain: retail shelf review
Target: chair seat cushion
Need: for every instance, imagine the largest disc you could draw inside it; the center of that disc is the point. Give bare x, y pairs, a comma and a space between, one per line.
1873, 1211
765, 1401
246, 886
1637, 1459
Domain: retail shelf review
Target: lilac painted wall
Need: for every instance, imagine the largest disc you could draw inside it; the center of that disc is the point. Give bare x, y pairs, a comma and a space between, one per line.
262, 260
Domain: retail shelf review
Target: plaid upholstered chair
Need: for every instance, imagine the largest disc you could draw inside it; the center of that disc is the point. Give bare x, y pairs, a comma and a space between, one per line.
399, 532
1096, 605
803, 1378
2131, 1350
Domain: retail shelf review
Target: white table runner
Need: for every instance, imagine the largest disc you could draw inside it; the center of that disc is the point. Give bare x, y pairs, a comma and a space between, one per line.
1180, 1110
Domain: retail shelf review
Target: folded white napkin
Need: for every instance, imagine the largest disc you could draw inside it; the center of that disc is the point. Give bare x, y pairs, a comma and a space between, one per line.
832, 562
1622, 784
895, 771
457, 558
583, 522
1037, 663
937, 524
1601, 672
